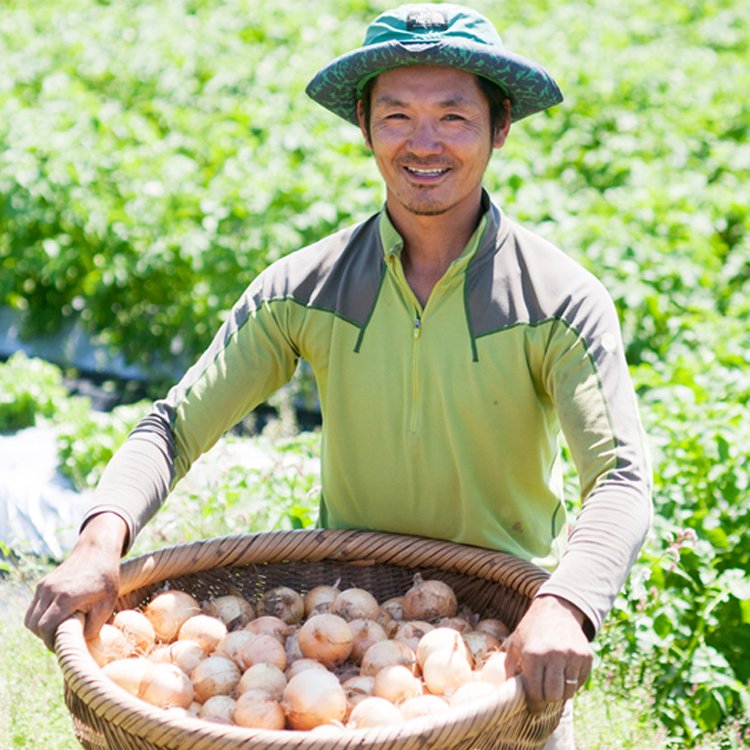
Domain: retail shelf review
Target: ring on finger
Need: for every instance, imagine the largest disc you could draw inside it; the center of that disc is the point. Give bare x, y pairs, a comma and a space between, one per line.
571, 682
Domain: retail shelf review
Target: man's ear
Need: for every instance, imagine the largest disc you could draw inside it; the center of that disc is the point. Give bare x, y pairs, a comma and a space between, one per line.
501, 134
362, 124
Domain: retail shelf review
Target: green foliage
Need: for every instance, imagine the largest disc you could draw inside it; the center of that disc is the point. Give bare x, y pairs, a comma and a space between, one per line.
87, 439
29, 388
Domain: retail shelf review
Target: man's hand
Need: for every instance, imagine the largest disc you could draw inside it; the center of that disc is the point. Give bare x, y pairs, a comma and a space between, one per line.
550, 651
88, 581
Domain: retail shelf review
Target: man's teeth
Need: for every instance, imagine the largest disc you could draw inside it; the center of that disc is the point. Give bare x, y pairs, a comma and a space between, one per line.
426, 172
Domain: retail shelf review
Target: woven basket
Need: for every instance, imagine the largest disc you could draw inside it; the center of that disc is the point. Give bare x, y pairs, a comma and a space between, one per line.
492, 584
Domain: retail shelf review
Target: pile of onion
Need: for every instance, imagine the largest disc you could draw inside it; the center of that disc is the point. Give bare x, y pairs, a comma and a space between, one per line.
332, 658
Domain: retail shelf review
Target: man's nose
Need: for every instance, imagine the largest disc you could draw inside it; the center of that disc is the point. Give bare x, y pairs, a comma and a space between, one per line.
424, 138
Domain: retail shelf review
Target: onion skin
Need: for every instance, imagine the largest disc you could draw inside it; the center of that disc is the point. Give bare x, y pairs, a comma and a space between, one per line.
204, 630
318, 599
231, 643
284, 603
262, 677
495, 627
470, 692
494, 670
423, 705
374, 712
326, 638
258, 709
411, 632
445, 671
137, 629
270, 625
262, 649
440, 638
166, 686
128, 673
110, 644
314, 697
429, 600
396, 684
220, 709
385, 653
365, 633
355, 604
215, 675
168, 610
233, 610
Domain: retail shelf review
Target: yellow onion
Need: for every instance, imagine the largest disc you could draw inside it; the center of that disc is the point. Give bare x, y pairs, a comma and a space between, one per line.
109, 644
470, 692
127, 673
218, 708
495, 627
445, 671
262, 649
438, 639
284, 603
364, 634
318, 599
424, 705
326, 638
168, 610
494, 669
215, 675
429, 600
397, 683
355, 604
313, 697
204, 630
262, 677
385, 653
270, 625
259, 710
394, 607
233, 610
481, 645
411, 632
137, 629
300, 665
374, 712
230, 644
166, 686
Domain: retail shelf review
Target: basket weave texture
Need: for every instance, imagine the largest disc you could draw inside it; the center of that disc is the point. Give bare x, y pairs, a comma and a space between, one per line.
493, 584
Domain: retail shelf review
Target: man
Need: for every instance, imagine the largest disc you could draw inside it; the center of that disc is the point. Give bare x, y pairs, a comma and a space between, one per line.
449, 346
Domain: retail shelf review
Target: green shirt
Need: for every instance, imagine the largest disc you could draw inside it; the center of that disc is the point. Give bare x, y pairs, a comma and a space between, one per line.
442, 421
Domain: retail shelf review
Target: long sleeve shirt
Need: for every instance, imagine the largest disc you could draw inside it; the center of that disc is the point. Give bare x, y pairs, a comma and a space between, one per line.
441, 421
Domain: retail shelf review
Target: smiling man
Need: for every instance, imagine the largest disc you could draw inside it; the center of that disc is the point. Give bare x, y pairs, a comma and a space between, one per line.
451, 348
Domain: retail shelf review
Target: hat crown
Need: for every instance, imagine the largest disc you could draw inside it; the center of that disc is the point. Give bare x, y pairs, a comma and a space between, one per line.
424, 23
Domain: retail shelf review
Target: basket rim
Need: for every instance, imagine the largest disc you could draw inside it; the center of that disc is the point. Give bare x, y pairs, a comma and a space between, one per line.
83, 677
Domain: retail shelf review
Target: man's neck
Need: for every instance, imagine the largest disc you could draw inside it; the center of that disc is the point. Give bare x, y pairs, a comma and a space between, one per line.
432, 243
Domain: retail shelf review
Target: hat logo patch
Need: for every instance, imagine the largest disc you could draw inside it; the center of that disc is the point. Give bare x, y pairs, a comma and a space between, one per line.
426, 20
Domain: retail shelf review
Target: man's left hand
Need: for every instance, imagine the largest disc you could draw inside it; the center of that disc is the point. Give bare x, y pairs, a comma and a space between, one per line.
550, 651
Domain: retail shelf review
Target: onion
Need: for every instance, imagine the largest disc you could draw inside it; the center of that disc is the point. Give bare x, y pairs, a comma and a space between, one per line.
411, 632
284, 603
127, 673
269, 625
385, 653
318, 599
461, 624
394, 607
166, 686
205, 630
262, 649
354, 604
109, 644
493, 670
495, 627
326, 638
445, 671
396, 683
437, 639
424, 705
186, 655
429, 600
470, 692
481, 645
233, 610
231, 643
365, 633
291, 646
215, 675
168, 610
262, 677
332, 729
300, 665
374, 712
259, 710
137, 629
313, 697
218, 708
358, 686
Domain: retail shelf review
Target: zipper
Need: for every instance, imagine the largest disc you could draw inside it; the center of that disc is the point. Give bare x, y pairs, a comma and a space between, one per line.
416, 336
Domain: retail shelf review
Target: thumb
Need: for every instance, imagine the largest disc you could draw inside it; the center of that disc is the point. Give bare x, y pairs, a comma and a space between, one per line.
512, 657
98, 614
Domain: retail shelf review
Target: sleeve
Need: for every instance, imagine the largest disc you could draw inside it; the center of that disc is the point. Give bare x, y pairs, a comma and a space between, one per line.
587, 376
250, 357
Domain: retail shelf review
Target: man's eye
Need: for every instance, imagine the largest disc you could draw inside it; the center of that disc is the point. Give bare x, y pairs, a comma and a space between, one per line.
454, 117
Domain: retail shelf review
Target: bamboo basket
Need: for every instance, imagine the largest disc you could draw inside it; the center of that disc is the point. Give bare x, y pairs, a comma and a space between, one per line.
105, 717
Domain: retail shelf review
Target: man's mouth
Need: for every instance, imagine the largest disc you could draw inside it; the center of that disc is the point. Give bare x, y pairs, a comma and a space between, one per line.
423, 172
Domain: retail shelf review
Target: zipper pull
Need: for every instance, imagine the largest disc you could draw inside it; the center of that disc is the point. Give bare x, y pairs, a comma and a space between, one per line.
417, 327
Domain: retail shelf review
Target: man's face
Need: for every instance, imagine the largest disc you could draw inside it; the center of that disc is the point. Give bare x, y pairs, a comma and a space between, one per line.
430, 135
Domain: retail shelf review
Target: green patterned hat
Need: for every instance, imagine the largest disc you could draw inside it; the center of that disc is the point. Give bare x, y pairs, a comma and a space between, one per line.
429, 34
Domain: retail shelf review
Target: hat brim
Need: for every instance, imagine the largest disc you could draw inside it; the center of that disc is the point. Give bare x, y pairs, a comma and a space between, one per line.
529, 87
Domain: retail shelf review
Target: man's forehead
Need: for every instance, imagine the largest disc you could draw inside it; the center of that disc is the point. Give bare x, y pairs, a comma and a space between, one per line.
423, 82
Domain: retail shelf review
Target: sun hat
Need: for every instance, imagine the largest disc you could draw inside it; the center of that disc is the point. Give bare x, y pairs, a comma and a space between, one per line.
433, 34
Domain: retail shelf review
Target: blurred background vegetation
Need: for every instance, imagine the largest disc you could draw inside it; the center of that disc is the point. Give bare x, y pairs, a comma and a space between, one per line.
155, 156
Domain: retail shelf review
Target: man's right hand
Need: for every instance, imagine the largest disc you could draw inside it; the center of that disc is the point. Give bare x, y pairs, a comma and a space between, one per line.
88, 581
